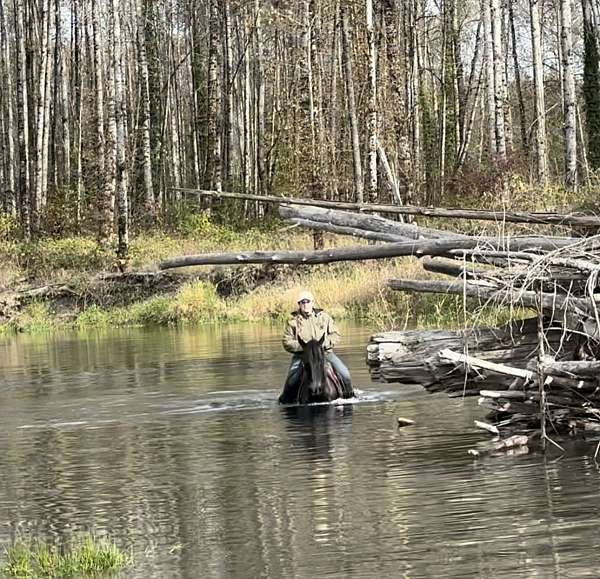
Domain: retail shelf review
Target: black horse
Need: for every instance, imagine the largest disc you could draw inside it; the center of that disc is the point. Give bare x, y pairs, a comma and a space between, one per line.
318, 381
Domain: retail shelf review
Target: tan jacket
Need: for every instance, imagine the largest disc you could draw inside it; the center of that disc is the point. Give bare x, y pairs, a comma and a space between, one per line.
313, 327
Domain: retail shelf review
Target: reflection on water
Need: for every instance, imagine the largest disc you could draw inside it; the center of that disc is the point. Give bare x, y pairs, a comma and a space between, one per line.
172, 443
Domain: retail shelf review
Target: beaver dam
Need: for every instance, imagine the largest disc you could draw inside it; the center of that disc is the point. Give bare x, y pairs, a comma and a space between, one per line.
539, 377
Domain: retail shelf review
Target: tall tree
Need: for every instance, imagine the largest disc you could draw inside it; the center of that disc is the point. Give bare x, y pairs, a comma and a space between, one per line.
539, 102
372, 128
121, 176
569, 96
351, 102
8, 114
23, 190
145, 122
213, 171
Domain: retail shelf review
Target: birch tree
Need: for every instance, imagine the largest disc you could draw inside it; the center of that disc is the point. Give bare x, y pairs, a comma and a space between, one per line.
539, 102
372, 114
7, 113
569, 96
351, 103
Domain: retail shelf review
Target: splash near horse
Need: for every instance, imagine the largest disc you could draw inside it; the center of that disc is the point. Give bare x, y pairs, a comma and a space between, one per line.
316, 379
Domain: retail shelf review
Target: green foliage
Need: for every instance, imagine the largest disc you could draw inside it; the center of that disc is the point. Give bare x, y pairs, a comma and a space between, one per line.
36, 318
8, 226
45, 256
88, 557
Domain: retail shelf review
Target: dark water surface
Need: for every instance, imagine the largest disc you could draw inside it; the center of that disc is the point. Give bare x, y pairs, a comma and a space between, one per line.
171, 442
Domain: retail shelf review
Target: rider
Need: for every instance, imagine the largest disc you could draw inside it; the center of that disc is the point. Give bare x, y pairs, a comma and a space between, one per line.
309, 323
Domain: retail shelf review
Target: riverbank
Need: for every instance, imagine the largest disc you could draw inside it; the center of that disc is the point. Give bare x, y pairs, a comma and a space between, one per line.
71, 283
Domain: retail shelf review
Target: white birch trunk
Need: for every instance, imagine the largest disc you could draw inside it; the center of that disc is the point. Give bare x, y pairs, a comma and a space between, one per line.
38, 191
260, 101
23, 191
490, 77
107, 201
372, 114
351, 104
120, 120
499, 80
145, 112
569, 95
538, 81
6, 72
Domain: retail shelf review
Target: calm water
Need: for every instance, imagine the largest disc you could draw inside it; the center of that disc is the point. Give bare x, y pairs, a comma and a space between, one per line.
172, 442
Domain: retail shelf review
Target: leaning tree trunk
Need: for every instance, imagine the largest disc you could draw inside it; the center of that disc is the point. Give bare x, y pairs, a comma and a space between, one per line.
569, 95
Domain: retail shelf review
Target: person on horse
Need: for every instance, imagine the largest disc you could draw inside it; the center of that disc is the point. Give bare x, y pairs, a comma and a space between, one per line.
310, 323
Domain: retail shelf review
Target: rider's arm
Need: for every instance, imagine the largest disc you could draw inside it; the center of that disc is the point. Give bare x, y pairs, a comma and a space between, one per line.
332, 335
290, 342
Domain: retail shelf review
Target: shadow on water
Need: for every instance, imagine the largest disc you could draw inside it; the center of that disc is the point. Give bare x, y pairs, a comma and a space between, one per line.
312, 427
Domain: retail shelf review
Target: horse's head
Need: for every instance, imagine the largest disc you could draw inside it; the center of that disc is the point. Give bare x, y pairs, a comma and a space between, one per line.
313, 357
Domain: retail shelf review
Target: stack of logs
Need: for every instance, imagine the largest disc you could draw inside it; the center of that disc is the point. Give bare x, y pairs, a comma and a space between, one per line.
538, 375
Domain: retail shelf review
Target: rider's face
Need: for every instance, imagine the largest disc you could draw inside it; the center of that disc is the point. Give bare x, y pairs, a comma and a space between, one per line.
306, 306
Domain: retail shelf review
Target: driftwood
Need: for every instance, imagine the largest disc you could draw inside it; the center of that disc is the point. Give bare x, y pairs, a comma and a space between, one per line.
412, 357
516, 441
540, 218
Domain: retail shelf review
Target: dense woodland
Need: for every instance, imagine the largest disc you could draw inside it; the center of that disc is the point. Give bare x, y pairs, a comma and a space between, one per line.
107, 108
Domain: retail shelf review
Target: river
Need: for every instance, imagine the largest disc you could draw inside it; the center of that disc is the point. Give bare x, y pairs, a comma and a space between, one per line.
171, 442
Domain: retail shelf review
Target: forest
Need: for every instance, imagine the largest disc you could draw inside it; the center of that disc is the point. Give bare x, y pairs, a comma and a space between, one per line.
110, 112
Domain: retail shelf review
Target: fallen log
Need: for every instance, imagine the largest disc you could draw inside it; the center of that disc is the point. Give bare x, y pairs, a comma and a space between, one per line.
539, 218
351, 231
417, 248
492, 429
490, 293
455, 268
372, 223
475, 362
411, 357
569, 369
516, 441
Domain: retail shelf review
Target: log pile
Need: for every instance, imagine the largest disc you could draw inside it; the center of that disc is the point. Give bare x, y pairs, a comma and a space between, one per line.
539, 376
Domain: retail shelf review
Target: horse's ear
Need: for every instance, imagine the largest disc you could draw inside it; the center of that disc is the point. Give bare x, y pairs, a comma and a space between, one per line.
301, 341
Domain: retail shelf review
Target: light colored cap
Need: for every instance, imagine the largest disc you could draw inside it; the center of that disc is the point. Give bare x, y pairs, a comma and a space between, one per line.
305, 295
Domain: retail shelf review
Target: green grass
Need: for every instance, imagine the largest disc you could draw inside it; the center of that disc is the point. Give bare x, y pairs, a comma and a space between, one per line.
88, 557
